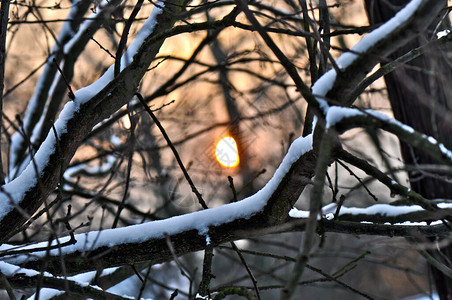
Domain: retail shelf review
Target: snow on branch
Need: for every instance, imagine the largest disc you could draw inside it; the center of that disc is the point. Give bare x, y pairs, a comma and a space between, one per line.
79, 285
76, 120
383, 214
72, 38
87, 93
368, 52
343, 118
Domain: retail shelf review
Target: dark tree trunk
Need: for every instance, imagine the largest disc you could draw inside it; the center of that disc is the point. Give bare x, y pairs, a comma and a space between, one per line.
420, 93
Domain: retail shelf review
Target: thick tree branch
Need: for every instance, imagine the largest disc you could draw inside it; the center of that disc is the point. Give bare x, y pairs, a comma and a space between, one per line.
83, 257
392, 37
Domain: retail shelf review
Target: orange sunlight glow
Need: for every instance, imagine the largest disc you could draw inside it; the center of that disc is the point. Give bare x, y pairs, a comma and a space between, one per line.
227, 152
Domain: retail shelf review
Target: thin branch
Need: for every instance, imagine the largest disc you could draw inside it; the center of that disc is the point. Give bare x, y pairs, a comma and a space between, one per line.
124, 36
324, 157
440, 266
395, 188
204, 285
4, 15
350, 171
248, 270
286, 63
231, 185
176, 154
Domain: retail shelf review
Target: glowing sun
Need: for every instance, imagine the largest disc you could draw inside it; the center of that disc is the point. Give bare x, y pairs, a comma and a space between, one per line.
227, 152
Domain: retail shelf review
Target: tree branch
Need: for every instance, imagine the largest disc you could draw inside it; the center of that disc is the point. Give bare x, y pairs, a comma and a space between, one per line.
91, 105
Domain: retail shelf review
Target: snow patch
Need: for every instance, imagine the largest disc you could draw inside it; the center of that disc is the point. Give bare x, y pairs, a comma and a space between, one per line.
386, 210
337, 113
432, 140
445, 151
442, 33
327, 210
322, 86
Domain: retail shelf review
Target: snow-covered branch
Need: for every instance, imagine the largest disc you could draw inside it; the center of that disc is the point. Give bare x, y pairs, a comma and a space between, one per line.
383, 214
90, 106
371, 49
343, 119
51, 87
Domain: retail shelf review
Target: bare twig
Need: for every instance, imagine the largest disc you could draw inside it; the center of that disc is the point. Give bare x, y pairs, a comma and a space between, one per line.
231, 185
286, 63
124, 36
182, 269
350, 171
204, 285
248, 270
71, 92
4, 14
314, 211
176, 155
